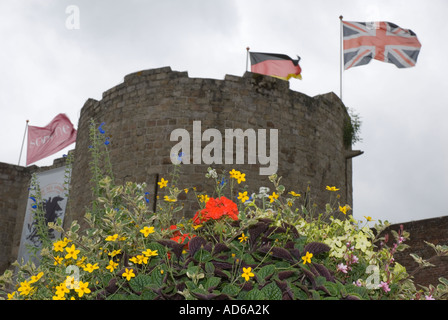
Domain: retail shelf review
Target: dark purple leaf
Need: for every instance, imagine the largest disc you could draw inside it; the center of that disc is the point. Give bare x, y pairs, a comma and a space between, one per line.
195, 244
316, 248
222, 265
112, 287
289, 245
264, 249
323, 271
285, 274
255, 231
210, 296
220, 247
295, 253
281, 253
292, 229
177, 248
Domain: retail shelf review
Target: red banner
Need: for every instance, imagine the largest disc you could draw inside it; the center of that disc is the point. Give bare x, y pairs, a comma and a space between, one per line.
45, 141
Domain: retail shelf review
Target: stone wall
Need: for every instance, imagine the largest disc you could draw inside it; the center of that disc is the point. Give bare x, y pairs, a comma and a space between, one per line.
140, 114
13, 199
14, 184
434, 230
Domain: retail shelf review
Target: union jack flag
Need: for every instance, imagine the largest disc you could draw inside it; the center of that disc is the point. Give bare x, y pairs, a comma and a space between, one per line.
384, 41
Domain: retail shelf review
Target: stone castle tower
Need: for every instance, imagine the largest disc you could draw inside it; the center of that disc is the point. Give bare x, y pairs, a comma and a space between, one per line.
141, 113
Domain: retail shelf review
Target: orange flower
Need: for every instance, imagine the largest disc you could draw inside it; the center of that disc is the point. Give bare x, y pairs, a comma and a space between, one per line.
181, 239
217, 208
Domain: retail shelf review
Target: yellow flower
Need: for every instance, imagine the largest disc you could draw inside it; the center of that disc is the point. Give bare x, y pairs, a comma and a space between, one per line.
343, 209
307, 257
237, 175
169, 199
139, 259
234, 174
112, 266
247, 273
203, 198
24, 288
82, 288
332, 188
294, 194
147, 230
37, 277
71, 283
241, 178
243, 196
150, 253
243, 238
90, 268
59, 246
162, 183
369, 218
80, 263
142, 259
112, 238
114, 253
273, 196
290, 203
186, 190
128, 274
12, 296
58, 260
61, 290
72, 252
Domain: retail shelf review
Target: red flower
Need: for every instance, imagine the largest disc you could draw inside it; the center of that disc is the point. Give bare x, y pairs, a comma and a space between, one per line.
174, 228
215, 209
181, 239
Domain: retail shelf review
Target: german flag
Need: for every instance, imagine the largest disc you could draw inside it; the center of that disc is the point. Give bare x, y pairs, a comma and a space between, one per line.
275, 65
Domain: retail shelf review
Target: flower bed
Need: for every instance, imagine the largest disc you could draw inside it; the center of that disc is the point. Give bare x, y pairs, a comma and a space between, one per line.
260, 246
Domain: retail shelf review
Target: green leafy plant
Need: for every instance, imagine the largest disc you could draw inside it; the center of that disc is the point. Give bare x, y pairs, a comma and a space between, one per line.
352, 129
262, 246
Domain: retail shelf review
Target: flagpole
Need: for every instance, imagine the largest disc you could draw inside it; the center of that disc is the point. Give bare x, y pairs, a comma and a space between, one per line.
340, 57
23, 141
247, 58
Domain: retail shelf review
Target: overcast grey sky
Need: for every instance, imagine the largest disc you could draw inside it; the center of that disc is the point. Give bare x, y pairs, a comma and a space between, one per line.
47, 69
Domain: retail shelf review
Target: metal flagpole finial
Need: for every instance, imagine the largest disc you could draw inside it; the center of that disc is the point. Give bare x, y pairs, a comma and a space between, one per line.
341, 17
